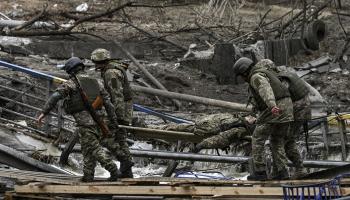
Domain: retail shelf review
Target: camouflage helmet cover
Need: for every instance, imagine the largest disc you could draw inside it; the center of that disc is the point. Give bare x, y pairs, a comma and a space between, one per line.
242, 65
100, 55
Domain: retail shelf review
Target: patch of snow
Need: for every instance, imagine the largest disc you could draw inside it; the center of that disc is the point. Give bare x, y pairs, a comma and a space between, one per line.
82, 7
16, 41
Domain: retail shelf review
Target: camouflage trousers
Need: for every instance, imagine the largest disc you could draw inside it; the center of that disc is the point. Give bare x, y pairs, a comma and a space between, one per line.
128, 112
291, 148
224, 139
93, 152
276, 133
118, 146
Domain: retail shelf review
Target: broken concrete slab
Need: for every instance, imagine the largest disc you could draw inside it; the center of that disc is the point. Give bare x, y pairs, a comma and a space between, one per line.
334, 67
222, 63
280, 51
345, 72
320, 61
302, 73
219, 65
323, 68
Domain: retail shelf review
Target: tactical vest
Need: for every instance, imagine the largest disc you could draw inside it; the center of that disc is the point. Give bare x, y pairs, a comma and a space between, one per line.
126, 86
297, 87
74, 103
279, 90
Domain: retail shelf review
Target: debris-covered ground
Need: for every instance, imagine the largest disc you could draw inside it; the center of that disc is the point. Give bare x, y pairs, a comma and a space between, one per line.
177, 42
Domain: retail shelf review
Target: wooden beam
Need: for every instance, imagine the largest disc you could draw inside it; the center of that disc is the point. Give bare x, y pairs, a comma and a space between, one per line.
187, 190
342, 132
325, 130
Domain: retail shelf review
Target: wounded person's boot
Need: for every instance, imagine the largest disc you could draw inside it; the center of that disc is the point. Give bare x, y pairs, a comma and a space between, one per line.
257, 176
126, 169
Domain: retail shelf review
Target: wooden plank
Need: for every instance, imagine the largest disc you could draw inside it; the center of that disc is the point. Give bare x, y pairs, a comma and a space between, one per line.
38, 176
13, 196
203, 181
324, 130
150, 190
341, 126
246, 192
40, 179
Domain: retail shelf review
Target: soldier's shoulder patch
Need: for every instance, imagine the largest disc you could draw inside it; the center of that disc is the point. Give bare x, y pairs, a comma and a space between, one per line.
256, 79
256, 82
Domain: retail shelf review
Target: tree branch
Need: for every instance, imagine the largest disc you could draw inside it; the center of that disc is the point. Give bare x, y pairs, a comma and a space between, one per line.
98, 15
153, 36
33, 20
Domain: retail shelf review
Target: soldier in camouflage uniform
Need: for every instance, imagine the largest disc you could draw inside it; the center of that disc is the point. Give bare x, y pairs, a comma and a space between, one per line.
219, 130
302, 112
87, 129
116, 83
275, 113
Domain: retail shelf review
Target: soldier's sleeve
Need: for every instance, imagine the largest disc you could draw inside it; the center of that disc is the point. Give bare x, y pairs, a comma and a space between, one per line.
261, 84
60, 93
113, 82
110, 109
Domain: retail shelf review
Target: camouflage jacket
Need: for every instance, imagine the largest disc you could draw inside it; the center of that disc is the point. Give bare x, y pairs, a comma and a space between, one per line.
113, 79
301, 108
209, 125
261, 84
83, 118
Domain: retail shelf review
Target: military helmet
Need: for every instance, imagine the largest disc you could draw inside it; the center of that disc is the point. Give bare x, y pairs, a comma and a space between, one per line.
242, 65
72, 65
99, 55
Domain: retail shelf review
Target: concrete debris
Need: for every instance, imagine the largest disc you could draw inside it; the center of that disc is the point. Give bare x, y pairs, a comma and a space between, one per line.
204, 54
67, 25
302, 73
15, 41
280, 51
15, 23
334, 67
323, 69
17, 11
320, 61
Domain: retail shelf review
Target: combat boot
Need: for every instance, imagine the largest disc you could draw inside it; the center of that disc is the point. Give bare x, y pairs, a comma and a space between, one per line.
114, 175
86, 178
299, 173
125, 169
257, 176
281, 175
